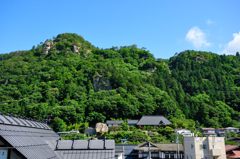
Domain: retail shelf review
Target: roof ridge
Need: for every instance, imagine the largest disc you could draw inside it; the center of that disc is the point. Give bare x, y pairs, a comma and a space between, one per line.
152, 115
21, 122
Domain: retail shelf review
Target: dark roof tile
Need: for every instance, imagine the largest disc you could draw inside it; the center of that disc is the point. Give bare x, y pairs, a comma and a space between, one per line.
153, 120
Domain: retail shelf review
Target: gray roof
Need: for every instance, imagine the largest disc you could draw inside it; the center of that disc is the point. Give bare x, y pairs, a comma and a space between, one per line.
132, 122
85, 149
128, 150
35, 140
9, 120
114, 122
159, 147
28, 137
153, 121
86, 154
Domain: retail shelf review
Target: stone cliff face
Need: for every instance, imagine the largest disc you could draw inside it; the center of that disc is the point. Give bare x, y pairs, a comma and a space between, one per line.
67, 43
101, 83
47, 46
76, 48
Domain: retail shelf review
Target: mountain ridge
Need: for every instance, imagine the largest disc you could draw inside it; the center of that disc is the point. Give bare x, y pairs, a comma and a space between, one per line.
68, 78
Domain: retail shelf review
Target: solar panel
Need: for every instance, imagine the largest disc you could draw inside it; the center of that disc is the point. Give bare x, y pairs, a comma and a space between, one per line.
37, 124
17, 121
80, 144
30, 123
23, 122
4, 120
46, 126
11, 120
109, 144
34, 123
41, 125
64, 144
96, 144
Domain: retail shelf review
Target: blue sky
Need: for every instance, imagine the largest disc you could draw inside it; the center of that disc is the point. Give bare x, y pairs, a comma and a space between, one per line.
162, 26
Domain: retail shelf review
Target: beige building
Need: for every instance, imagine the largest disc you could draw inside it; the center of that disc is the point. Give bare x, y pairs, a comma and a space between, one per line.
204, 148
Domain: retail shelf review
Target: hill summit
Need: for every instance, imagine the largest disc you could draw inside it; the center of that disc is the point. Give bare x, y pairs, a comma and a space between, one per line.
67, 42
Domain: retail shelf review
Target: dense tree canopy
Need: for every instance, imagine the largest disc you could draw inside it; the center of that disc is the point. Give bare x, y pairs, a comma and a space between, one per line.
76, 82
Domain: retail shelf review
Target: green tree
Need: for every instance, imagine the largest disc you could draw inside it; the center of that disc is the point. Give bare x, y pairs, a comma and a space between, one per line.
58, 124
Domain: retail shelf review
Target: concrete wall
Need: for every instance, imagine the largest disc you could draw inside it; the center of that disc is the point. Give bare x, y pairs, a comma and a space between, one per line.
204, 148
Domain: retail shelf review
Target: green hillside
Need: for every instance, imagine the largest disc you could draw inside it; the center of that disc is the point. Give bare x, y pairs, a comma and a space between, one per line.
68, 80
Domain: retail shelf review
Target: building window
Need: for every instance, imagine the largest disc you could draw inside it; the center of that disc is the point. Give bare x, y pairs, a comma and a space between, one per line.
203, 146
167, 156
172, 156
3, 154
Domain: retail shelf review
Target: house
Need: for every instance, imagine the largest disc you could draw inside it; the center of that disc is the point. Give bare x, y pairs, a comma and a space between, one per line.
232, 151
153, 121
159, 151
219, 131
232, 129
27, 139
204, 147
114, 123
125, 151
132, 122
208, 132
184, 132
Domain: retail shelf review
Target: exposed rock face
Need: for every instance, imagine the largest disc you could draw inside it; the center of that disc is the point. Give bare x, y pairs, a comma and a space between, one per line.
47, 46
101, 83
76, 49
101, 128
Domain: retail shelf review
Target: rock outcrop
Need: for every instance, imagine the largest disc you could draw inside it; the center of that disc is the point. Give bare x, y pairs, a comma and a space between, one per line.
101, 128
101, 83
47, 46
76, 48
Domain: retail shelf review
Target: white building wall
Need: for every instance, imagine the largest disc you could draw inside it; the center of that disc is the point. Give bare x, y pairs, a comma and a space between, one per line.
204, 148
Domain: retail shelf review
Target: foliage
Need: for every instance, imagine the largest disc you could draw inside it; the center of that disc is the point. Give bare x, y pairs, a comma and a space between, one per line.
74, 137
58, 124
93, 85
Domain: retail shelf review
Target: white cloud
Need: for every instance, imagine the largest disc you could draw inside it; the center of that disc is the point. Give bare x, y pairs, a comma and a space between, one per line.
197, 37
233, 46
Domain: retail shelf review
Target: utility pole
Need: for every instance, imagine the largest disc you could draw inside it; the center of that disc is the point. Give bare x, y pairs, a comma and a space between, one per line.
177, 141
124, 141
149, 153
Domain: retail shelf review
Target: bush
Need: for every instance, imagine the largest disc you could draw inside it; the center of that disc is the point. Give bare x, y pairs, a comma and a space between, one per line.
58, 124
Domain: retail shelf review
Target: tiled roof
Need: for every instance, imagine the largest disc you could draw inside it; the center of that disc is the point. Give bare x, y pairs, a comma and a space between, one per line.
28, 137
114, 122
159, 147
36, 140
231, 147
235, 154
86, 154
132, 122
208, 129
14, 121
153, 120
127, 149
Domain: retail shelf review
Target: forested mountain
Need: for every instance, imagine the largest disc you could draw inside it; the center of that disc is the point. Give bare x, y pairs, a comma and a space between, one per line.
68, 80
